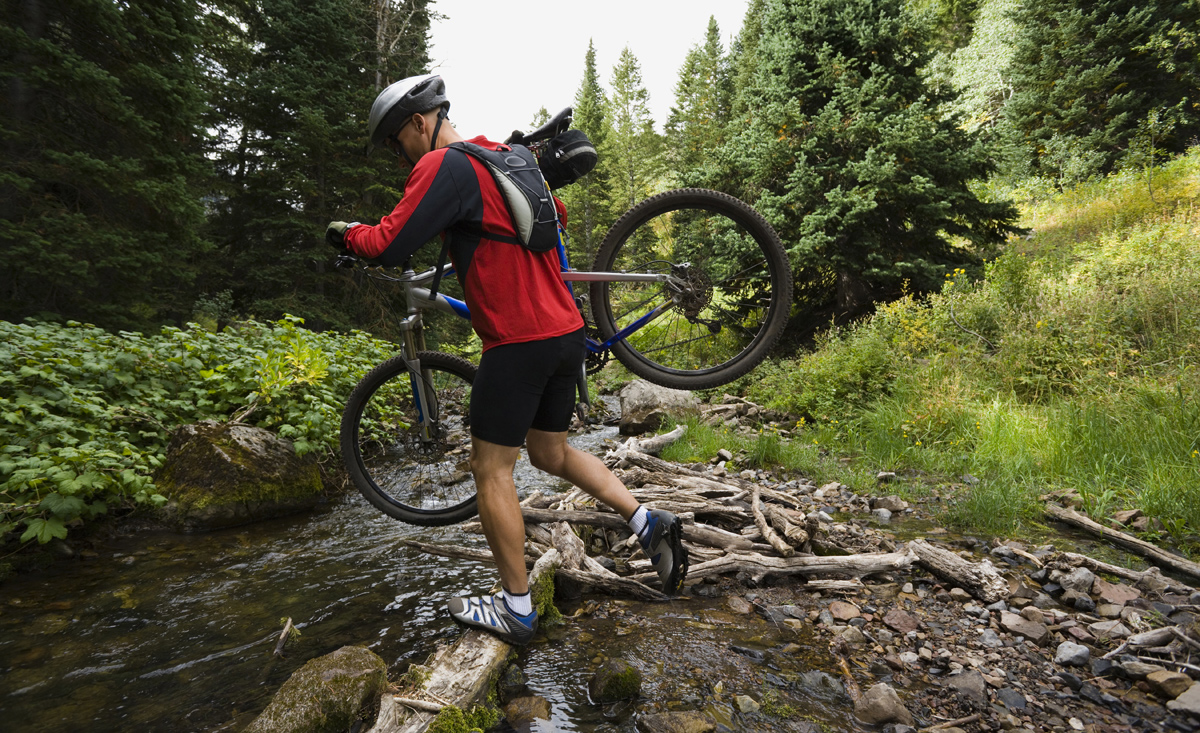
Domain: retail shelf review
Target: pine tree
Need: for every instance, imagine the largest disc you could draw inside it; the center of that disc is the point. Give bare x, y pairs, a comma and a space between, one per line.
633, 145
848, 158
696, 124
587, 199
102, 175
1087, 72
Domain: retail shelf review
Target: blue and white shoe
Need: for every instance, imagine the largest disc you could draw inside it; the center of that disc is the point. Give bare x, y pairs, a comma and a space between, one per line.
491, 614
665, 549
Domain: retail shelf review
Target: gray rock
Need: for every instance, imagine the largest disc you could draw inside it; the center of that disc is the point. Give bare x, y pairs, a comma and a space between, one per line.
511, 684
882, 516
615, 680
1079, 580
1012, 699
675, 722
1188, 702
881, 704
1019, 626
997, 607
326, 694
724, 455
644, 406
1138, 670
853, 636
891, 503
884, 477
1072, 654
970, 684
990, 639
218, 475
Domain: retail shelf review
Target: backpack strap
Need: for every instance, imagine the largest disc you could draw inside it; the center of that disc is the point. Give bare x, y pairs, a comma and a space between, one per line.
441, 263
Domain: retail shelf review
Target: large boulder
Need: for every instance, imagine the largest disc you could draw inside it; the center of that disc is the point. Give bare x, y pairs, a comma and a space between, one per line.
328, 694
219, 475
615, 680
644, 406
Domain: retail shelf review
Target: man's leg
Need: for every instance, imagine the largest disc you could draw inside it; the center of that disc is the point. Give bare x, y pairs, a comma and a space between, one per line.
660, 532
551, 453
499, 510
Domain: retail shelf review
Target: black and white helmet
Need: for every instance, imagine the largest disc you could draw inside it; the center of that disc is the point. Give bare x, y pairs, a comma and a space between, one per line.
401, 100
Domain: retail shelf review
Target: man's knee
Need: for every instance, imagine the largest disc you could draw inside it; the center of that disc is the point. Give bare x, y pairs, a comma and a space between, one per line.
548, 455
489, 460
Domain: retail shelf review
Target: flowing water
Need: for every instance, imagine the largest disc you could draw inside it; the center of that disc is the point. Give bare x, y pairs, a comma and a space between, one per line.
169, 632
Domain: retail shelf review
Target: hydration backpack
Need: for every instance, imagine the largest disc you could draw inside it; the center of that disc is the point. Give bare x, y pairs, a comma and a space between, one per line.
529, 201
528, 198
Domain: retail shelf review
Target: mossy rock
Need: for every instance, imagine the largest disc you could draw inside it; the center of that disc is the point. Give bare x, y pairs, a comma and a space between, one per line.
327, 695
615, 680
218, 475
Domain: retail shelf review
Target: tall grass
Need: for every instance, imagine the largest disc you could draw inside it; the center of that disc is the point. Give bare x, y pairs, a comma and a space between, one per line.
1070, 366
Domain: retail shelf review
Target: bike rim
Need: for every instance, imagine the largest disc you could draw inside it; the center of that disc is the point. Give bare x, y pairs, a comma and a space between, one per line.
420, 472
724, 311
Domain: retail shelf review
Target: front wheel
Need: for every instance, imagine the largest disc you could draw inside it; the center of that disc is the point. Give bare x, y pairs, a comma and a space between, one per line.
724, 302
411, 469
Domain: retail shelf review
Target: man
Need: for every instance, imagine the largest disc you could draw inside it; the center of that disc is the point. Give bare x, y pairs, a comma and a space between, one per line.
533, 344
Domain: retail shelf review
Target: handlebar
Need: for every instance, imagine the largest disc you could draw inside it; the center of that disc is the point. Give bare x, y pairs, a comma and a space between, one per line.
557, 125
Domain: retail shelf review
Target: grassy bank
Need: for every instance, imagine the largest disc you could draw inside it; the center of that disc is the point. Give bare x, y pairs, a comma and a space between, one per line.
1070, 366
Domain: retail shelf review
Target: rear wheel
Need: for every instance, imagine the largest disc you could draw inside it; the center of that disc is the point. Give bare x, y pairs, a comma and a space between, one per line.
724, 304
414, 475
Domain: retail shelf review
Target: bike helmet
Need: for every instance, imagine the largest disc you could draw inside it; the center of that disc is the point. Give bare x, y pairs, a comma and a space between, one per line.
399, 101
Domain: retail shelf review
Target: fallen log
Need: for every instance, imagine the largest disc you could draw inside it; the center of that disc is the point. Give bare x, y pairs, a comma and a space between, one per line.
1129, 542
981, 580
461, 672
652, 446
283, 637
455, 551
855, 566
1150, 579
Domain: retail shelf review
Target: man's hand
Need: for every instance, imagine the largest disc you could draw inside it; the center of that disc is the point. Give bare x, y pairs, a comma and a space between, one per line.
335, 234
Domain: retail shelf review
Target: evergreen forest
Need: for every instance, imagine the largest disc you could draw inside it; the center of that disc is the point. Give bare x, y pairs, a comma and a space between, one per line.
169, 167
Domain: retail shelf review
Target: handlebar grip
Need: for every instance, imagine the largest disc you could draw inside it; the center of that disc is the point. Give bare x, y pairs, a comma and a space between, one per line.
345, 260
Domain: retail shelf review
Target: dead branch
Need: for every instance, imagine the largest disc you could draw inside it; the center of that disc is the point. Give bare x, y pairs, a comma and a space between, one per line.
981, 580
1129, 542
760, 521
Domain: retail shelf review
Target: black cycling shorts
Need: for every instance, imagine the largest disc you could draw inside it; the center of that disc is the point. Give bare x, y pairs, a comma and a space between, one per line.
526, 385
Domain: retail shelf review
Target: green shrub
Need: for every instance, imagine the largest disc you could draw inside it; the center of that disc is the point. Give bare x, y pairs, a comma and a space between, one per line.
87, 414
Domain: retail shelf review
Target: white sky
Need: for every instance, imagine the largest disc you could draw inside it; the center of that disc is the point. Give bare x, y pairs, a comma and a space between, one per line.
485, 50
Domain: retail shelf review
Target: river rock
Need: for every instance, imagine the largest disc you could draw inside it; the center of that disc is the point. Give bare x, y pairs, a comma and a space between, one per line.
881, 704
218, 475
327, 695
891, 503
1079, 580
1117, 594
1169, 684
615, 680
644, 406
1011, 699
739, 605
675, 722
511, 684
1109, 629
1031, 630
1188, 702
522, 711
900, 621
843, 611
970, 684
746, 704
1072, 655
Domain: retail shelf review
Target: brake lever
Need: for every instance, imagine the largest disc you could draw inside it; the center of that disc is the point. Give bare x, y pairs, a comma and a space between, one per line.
345, 260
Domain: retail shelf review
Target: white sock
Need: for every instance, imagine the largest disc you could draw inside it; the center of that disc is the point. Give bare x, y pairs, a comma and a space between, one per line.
521, 605
639, 520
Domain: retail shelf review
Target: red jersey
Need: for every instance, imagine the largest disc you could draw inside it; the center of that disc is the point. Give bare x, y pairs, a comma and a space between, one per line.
514, 294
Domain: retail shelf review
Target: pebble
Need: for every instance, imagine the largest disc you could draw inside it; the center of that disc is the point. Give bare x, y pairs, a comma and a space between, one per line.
990, 639
1110, 629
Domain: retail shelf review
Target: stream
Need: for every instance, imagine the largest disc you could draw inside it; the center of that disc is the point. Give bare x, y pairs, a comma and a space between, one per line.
170, 632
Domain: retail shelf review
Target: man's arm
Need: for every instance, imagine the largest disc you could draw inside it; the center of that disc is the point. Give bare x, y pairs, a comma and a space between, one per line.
431, 204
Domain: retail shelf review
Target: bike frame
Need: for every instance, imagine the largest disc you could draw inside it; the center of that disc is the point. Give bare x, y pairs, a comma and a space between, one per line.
417, 298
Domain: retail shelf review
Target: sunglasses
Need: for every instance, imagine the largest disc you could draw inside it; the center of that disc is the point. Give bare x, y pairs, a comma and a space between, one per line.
393, 142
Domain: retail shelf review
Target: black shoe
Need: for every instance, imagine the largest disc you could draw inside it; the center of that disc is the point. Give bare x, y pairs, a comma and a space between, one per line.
492, 615
665, 549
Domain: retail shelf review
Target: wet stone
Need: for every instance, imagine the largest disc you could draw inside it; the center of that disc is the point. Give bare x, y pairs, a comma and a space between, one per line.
615, 680
776, 614
675, 722
522, 711
737, 604
883, 516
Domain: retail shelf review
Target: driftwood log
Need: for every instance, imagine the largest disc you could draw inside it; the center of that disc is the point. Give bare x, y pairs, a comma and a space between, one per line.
1150, 579
760, 566
981, 580
1129, 542
460, 672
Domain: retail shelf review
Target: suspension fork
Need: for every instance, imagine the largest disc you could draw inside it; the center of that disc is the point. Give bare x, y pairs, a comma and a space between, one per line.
412, 342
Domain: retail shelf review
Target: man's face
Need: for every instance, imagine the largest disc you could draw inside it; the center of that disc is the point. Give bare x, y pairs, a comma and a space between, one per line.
409, 143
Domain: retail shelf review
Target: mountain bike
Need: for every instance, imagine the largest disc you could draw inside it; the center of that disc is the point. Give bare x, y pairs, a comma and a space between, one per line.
689, 289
